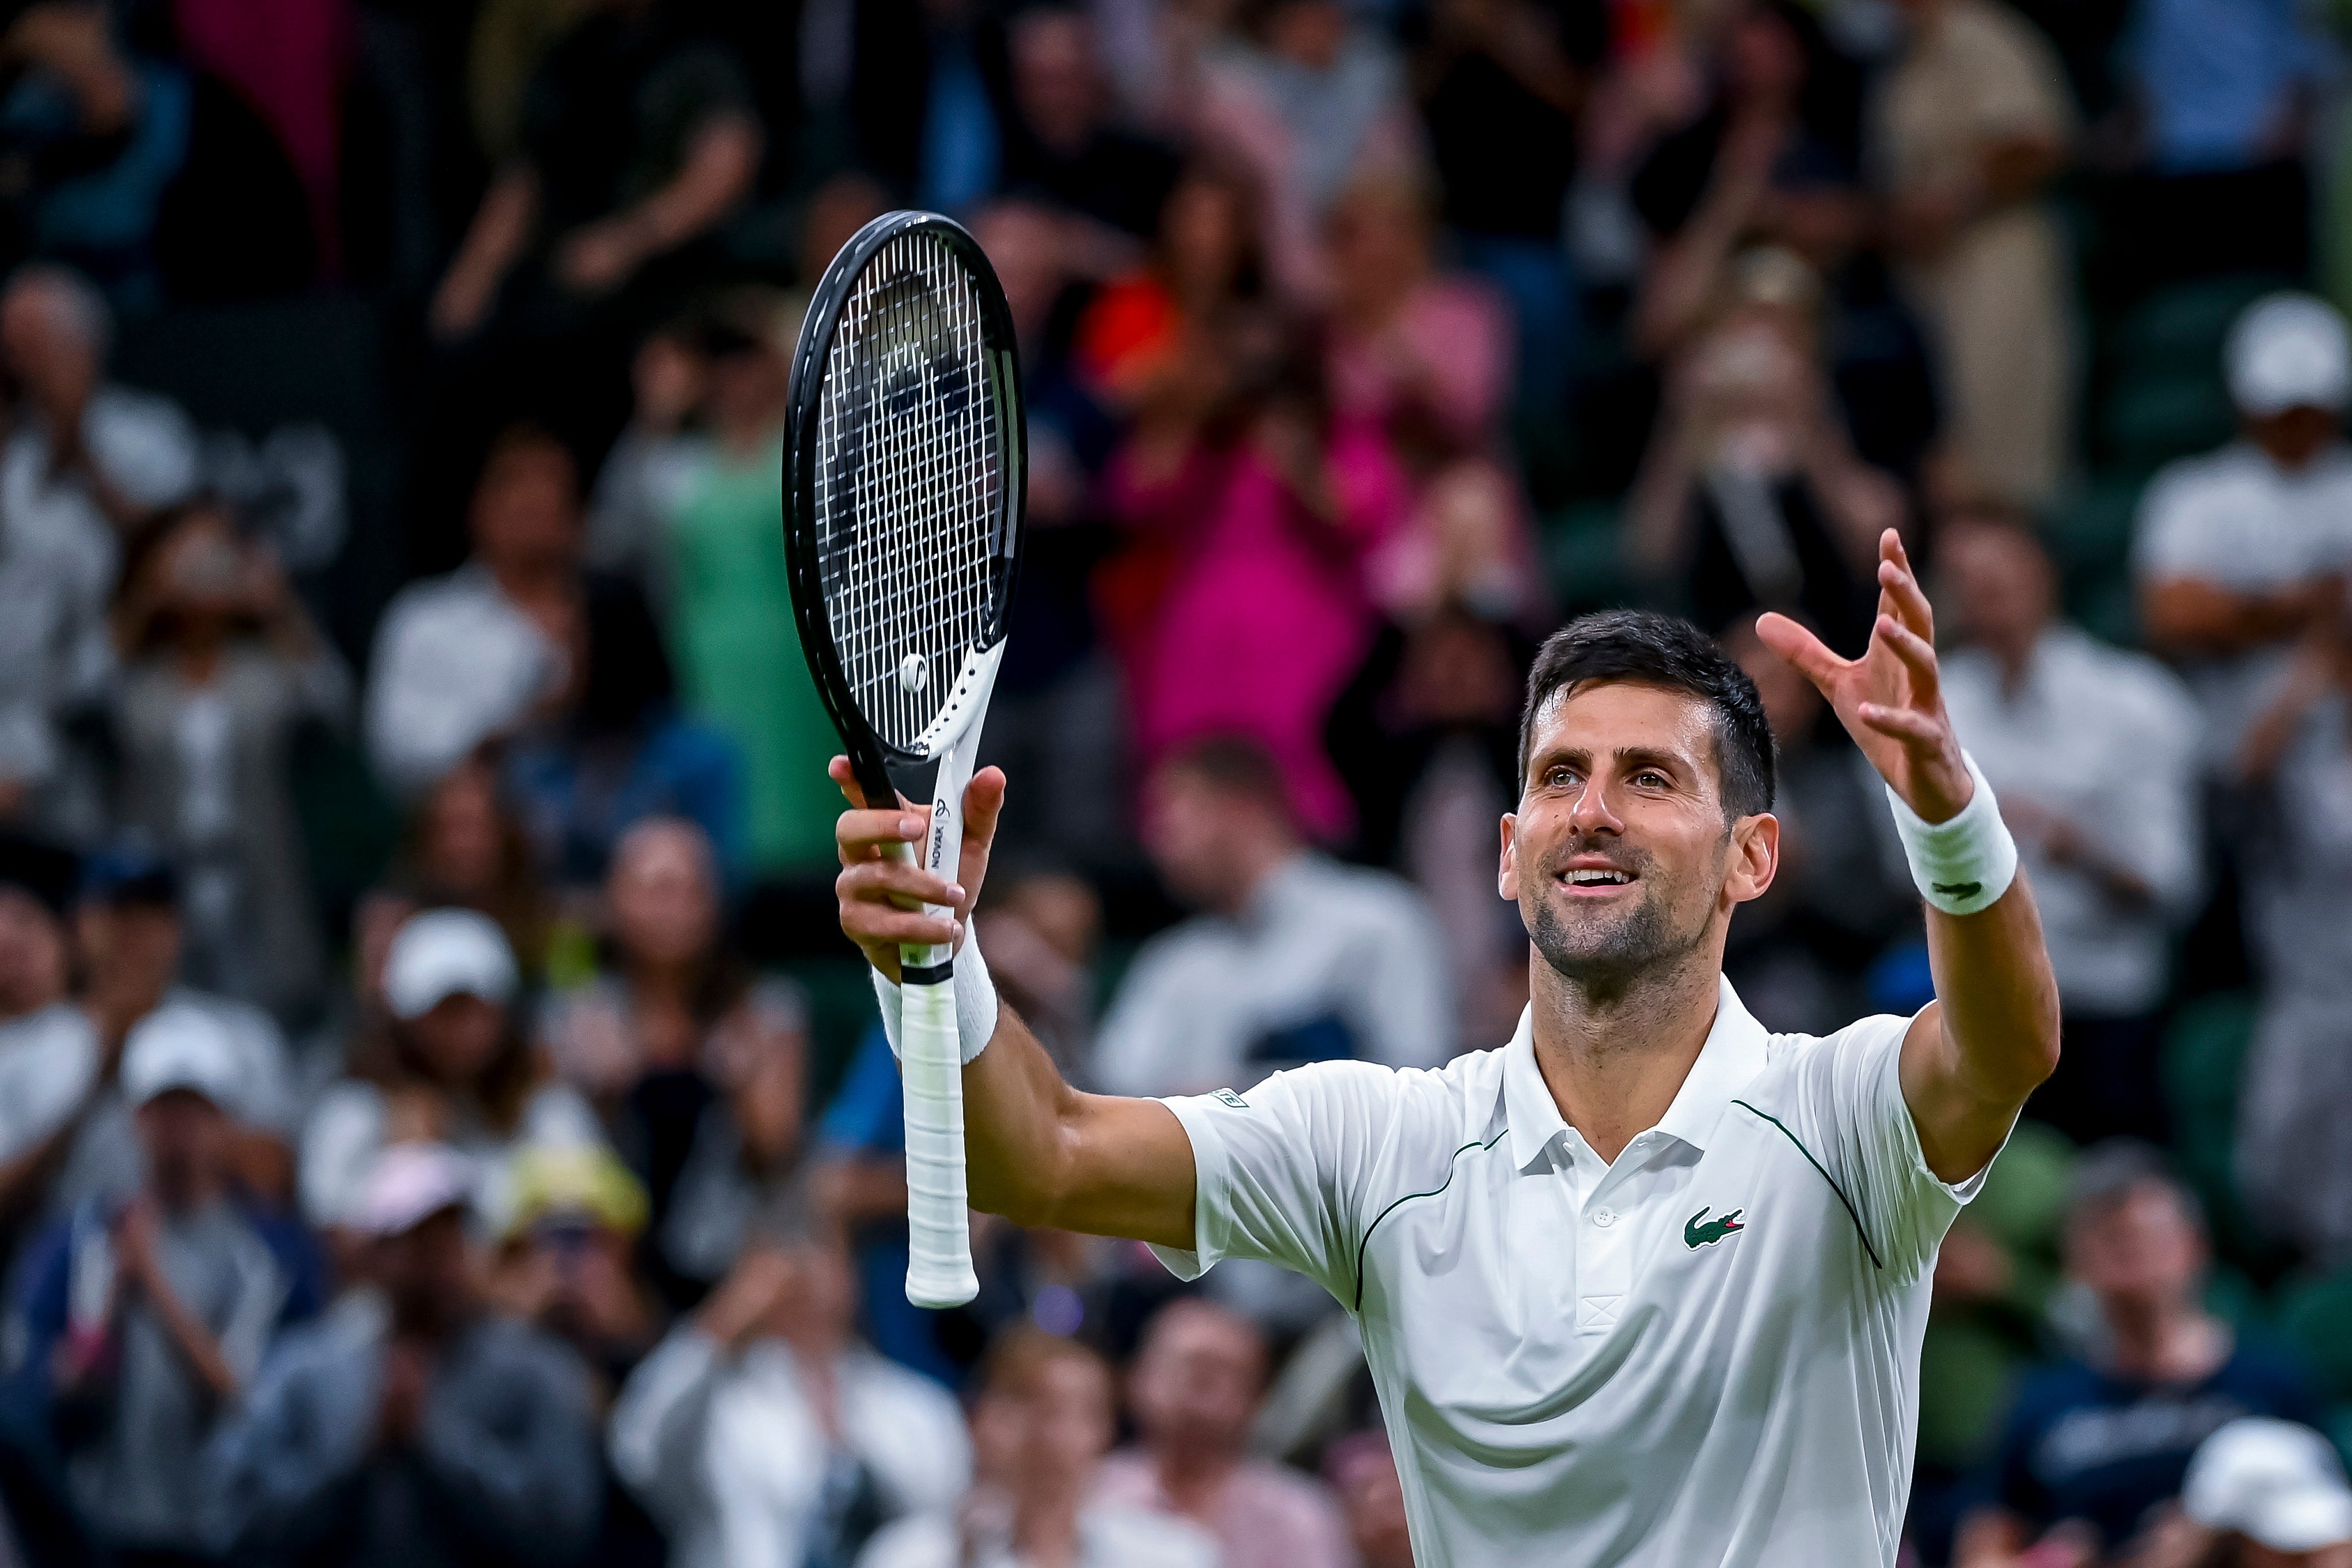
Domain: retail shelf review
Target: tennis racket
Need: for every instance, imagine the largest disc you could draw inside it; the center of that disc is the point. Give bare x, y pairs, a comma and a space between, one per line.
903, 474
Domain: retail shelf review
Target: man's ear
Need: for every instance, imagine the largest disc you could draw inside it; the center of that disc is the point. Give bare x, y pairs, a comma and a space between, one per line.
1755, 857
1507, 876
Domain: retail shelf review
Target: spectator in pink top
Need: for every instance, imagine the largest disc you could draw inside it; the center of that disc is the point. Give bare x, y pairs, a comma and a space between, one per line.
1193, 1390
1267, 505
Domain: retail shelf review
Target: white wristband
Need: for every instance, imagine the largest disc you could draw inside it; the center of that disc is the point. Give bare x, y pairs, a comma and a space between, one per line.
975, 999
1963, 865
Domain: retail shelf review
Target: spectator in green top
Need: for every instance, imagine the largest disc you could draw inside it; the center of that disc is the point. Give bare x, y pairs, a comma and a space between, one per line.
731, 623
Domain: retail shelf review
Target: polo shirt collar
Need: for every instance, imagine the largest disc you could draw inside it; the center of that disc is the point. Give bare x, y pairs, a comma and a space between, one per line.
1731, 1058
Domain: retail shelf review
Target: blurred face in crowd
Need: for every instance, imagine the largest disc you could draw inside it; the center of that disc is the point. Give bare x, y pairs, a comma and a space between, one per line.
1196, 1383
1373, 1500
2002, 587
1623, 788
185, 1141
457, 1037
1210, 841
1791, 703
2293, 438
202, 571
1204, 233
1308, 31
131, 947
1054, 84
2255, 1555
1063, 910
47, 342
31, 953
464, 843
1378, 241
1763, 58
526, 515
748, 386
1024, 245
664, 894
817, 1306
1066, 1426
429, 1272
2141, 1251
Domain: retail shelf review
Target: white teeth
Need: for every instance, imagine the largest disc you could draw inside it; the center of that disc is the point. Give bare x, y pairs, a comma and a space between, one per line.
1587, 879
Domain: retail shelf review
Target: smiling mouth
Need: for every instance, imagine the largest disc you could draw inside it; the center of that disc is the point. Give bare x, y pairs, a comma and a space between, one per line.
1595, 876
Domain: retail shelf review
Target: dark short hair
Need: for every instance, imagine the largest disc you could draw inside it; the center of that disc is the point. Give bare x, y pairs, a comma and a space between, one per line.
2115, 1169
1646, 648
1239, 766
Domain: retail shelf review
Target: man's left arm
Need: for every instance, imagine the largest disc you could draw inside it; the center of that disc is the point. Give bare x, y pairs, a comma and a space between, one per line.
1990, 1037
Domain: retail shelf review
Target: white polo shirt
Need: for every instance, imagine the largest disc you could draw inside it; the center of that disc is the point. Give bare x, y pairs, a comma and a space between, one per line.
1705, 1353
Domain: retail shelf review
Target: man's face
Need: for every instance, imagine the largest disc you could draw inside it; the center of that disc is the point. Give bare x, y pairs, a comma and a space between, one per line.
1195, 833
43, 348
1999, 582
427, 1270
131, 948
527, 508
1054, 78
1069, 1418
32, 954
1620, 857
2296, 436
1196, 1383
2137, 1252
185, 1138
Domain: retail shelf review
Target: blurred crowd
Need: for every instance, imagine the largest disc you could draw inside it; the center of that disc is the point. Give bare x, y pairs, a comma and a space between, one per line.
439, 1122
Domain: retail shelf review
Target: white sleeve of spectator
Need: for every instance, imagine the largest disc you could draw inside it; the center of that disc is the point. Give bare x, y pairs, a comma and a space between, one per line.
2158, 802
145, 445
339, 1142
1851, 1114
656, 1437
1280, 1173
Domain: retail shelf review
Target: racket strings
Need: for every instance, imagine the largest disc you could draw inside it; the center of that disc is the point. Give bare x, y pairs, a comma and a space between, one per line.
910, 479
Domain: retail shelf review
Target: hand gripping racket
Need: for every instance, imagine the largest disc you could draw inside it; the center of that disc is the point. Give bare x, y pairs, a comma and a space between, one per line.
903, 478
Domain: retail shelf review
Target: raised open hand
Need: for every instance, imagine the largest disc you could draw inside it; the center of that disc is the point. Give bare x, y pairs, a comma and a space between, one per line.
1889, 699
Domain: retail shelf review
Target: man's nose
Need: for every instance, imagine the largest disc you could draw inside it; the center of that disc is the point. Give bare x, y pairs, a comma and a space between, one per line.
1592, 813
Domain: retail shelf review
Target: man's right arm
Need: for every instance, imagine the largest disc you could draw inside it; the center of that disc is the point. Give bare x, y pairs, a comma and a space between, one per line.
1038, 1151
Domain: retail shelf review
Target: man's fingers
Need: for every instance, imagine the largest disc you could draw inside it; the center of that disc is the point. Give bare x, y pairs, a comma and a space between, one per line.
983, 802
1917, 657
889, 879
883, 924
858, 834
1904, 724
1801, 648
1901, 596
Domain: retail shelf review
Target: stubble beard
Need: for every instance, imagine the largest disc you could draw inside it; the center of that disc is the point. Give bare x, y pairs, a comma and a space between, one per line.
1607, 957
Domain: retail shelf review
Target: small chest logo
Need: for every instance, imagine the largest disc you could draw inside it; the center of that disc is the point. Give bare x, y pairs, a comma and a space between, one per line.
1229, 1098
1699, 1231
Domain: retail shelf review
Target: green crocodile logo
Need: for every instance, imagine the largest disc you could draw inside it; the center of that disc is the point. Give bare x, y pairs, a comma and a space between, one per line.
1695, 1235
1957, 890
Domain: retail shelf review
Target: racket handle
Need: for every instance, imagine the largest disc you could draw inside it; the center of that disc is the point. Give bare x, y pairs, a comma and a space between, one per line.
939, 1220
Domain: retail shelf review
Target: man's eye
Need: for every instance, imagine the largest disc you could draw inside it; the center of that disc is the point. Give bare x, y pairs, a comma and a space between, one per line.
1649, 778
1561, 778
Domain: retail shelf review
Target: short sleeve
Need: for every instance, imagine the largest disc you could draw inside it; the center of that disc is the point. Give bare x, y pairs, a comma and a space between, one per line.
1851, 1086
1281, 1172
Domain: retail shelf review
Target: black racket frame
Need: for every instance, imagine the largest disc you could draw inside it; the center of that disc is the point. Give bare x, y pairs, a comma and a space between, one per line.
870, 756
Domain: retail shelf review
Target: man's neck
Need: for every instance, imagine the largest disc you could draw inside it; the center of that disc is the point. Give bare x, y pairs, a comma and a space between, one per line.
2175, 1344
1260, 862
1192, 1475
1614, 1058
530, 581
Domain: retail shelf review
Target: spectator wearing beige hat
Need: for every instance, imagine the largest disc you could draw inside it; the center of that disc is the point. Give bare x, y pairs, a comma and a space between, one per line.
410, 1427
2239, 550
454, 1068
143, 1321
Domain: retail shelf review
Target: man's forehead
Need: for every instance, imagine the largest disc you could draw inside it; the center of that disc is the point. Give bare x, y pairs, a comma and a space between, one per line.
1603, 717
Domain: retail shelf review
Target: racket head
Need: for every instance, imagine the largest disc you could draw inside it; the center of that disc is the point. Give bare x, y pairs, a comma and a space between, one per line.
905, 477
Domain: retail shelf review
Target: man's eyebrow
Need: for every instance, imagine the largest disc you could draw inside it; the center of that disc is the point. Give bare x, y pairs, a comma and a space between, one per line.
1652, 757
1574, 756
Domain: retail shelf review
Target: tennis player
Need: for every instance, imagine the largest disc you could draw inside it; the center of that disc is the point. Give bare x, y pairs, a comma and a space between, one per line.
1646, 1285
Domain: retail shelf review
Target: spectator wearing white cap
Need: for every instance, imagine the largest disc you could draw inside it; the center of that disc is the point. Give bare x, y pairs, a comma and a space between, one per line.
409, 1427
451, 1065
2240, 550
2273, 1495
142, 1320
